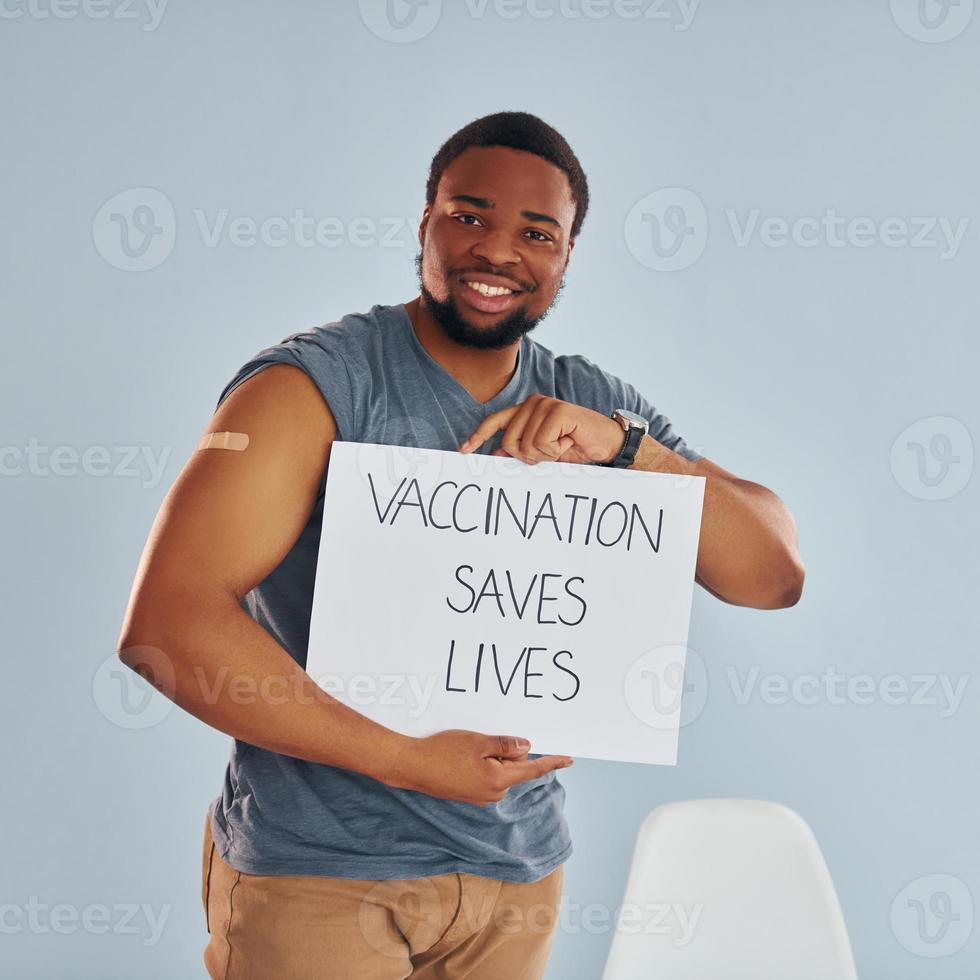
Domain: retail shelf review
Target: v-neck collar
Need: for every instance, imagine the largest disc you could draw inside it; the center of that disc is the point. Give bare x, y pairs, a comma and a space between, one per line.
503, 398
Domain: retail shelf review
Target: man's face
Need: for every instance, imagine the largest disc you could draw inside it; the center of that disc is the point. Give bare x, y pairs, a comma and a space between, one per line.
500, 217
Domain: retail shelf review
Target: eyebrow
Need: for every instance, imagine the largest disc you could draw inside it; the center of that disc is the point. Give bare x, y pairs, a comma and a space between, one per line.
487, 204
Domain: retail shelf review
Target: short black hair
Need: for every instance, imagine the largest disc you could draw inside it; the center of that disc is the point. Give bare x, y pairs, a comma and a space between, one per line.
519, 131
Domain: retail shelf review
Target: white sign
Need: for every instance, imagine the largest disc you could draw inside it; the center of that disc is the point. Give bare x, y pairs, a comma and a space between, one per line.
464, 590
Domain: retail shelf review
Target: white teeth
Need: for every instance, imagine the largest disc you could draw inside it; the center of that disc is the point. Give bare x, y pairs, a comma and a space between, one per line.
489, 290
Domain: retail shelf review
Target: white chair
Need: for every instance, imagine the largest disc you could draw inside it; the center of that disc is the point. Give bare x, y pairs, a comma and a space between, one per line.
729, 890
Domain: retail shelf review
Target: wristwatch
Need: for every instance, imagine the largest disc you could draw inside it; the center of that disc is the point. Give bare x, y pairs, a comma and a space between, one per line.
635, 428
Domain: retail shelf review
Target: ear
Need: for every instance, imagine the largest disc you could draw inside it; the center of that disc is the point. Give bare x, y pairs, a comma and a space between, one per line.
571, 245
426, 213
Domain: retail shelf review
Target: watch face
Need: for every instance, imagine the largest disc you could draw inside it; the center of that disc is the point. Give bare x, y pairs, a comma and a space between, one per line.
634, 418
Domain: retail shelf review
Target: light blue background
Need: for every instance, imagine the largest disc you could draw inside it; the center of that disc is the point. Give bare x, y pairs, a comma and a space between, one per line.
794, 367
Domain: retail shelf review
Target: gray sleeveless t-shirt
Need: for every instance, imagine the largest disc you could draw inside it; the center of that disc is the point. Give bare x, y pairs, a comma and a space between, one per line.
278, 815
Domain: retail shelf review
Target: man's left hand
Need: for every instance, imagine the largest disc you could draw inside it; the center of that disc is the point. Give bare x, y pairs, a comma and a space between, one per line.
542, 428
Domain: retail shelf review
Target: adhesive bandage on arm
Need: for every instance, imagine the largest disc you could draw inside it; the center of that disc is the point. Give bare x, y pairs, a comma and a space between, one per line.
236, 441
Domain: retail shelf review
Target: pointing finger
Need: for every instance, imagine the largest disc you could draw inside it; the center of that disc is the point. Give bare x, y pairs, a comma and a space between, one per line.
491, 424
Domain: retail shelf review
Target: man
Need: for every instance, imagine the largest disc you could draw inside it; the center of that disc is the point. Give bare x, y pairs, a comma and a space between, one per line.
339, 848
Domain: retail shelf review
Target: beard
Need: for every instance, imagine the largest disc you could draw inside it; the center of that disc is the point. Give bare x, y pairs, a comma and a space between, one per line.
457, 328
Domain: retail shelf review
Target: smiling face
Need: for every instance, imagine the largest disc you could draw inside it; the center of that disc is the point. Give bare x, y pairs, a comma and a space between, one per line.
500, 221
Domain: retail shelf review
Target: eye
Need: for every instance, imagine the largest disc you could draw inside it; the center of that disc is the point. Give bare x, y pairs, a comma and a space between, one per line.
476, 221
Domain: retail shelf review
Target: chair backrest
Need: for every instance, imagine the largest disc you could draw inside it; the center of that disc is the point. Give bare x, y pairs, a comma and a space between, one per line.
729, 890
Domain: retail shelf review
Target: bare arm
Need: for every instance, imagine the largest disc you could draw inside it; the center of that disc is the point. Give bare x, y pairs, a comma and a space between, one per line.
748, 553
228, 521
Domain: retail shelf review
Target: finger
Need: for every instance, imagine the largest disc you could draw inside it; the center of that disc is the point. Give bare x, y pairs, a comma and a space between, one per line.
505, 747
570, 452
511, 441
564, 444
503, 762
491, 424
540, 439
520, 772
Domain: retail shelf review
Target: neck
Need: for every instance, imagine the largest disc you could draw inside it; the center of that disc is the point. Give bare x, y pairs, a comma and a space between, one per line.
484, 373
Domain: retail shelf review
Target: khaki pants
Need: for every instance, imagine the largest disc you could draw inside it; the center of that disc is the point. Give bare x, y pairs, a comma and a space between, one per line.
287, 927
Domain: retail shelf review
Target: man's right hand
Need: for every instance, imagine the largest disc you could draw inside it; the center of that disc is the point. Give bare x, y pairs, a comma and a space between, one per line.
468, 767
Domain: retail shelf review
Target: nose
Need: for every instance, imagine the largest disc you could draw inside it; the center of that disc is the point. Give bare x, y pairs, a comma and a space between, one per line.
496, 248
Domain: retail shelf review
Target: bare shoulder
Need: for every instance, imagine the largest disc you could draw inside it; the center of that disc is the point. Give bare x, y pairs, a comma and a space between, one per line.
246, 490
280, 398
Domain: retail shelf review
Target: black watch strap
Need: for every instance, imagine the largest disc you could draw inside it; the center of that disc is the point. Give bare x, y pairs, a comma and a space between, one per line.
631, 444
634, 436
